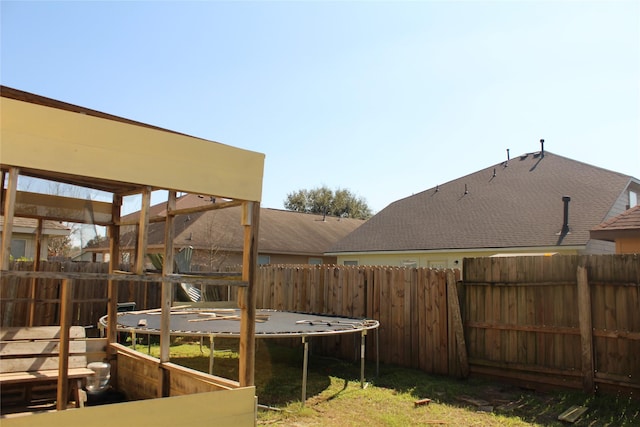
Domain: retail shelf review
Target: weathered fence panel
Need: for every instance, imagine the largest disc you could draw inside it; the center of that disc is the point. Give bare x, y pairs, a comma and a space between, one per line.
27, 301
524, 320
409, 303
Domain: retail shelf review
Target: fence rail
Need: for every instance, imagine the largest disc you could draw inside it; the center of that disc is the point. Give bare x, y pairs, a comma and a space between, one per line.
569, 321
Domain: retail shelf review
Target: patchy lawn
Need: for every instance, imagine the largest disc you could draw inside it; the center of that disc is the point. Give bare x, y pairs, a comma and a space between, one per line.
335, 398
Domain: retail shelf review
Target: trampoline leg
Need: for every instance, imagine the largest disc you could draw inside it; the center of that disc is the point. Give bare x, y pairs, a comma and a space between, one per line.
304, 369
362, 347
211, 355
133, 339
377, 353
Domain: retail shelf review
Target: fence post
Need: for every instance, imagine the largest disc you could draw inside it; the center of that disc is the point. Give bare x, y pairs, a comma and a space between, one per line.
455, 318
586, 329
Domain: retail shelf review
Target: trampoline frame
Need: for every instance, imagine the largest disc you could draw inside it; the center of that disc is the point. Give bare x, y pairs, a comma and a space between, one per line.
357, 325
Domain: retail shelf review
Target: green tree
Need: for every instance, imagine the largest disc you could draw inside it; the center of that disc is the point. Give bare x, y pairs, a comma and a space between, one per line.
323, 200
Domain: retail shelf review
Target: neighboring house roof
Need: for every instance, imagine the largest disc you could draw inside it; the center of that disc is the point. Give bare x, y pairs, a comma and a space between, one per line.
627, 224
514, 204
281, 231
28, 225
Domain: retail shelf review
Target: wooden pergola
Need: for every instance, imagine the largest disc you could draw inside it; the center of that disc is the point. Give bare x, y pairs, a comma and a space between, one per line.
48, 139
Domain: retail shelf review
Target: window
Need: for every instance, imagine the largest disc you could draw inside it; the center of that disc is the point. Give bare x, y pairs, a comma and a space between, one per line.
350, 263
18, 248
264, 259
633, 199
410, 263
315, 261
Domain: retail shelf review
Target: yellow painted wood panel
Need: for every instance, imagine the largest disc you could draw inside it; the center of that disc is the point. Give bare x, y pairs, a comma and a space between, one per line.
50, 139
232, 408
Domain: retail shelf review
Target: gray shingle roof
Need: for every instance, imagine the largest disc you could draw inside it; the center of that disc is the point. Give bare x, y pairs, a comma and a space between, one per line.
280, 231
521, 206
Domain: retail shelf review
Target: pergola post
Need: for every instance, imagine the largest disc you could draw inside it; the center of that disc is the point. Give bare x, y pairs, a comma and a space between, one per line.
167, 292
247, 296
114, 264
36, 267
5, 251
9, 206
143, 231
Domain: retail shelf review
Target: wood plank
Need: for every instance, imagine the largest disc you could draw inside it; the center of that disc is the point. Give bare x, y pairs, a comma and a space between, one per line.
26, 364
42, 375
572, 414
12, 349
38, 333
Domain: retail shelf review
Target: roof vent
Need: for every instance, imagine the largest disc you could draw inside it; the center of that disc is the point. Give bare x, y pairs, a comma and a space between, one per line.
542, 147
465, 189
565, 222
507, 162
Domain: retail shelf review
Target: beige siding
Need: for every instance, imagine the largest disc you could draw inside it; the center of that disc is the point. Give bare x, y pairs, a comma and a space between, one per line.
439, 259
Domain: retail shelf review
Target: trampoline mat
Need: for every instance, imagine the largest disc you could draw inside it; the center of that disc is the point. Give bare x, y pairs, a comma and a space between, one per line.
269, 323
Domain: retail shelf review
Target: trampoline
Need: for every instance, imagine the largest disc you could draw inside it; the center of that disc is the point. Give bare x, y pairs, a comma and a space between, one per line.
225, 322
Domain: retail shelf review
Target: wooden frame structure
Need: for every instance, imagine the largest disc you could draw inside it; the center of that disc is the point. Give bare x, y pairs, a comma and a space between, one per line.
48, 139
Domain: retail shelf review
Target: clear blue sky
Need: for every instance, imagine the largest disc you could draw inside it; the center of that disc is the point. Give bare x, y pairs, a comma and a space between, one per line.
385, 99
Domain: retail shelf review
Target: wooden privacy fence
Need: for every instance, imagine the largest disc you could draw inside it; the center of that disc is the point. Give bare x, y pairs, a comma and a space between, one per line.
27, 301
562, 320
411, 305
416, 327
557, 320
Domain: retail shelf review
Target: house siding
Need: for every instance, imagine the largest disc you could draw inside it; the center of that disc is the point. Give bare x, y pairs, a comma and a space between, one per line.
441, 259
628, 245
30, 245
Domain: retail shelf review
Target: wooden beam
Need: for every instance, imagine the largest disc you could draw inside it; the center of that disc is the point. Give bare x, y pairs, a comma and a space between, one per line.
143, 230
114, 265
247, 296
187, 211
36, 267
59, 208
169, 235
112, 287
66, 311
586, 328
9, 205
167, 293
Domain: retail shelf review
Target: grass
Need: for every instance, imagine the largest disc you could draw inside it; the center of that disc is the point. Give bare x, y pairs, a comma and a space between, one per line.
335, 398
